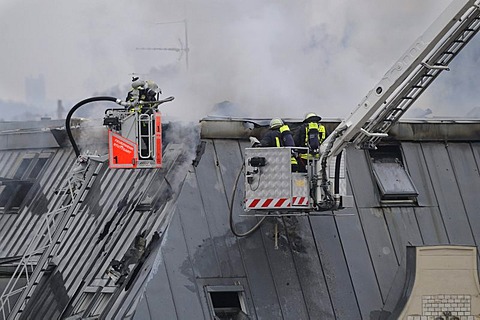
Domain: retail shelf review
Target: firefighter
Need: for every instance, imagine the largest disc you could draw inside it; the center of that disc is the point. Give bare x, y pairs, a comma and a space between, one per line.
144, 91
278, 135
310, 134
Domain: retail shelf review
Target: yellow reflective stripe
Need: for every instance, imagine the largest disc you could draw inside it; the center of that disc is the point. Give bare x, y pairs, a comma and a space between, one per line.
311, 125
309, 156
277, 142
284, 128
322, 131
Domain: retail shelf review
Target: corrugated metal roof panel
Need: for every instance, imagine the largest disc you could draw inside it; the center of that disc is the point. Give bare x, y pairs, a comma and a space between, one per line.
308, 267
447, 193
98, 231
330, 253
359, 262
363, 186
180, 271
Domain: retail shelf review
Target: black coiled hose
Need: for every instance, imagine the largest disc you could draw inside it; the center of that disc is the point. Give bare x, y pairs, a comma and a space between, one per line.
232, 227
75, 107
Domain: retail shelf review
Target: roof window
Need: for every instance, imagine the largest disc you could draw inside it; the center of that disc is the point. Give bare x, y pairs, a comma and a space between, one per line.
15, 189
393, 181
227, 302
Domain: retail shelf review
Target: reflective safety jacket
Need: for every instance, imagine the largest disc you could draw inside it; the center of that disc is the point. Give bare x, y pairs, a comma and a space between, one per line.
286, 138
310, 135
141, 95
281, 137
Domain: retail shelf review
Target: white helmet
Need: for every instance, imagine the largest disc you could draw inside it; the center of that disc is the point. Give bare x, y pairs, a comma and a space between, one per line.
311, 117
276, 123
149, 84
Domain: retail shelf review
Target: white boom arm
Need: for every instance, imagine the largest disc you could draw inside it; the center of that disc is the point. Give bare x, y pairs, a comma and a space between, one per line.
399, 88
409, 76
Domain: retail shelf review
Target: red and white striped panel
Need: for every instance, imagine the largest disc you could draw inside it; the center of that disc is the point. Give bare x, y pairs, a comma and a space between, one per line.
299, 201
267, 203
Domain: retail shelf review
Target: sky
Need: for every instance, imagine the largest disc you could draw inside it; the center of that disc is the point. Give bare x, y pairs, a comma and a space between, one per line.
268, 58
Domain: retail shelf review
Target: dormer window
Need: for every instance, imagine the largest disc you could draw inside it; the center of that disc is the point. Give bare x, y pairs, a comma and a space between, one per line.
393, 180
14, 189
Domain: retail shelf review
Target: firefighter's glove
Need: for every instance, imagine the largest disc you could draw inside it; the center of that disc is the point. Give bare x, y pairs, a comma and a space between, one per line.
254, 142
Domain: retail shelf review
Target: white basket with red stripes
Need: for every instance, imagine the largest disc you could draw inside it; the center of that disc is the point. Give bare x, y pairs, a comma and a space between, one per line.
274, 186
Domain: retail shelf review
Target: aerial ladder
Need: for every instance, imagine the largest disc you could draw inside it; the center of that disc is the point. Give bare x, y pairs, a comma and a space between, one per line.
270, 184
135, 142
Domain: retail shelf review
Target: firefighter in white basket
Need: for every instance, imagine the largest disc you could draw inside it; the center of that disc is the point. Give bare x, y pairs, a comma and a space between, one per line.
278, 135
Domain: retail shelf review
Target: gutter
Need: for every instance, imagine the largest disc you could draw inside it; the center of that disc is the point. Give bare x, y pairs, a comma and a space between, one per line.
407, 130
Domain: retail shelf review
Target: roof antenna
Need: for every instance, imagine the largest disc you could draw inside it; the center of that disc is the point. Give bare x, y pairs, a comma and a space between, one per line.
183, 48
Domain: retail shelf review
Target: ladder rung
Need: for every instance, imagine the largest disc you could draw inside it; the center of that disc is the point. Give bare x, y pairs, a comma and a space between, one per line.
449, 52
407, 98
62, 196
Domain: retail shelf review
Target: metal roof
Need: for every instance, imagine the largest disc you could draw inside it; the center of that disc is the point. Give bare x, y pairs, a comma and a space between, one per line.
325, 267
346, 266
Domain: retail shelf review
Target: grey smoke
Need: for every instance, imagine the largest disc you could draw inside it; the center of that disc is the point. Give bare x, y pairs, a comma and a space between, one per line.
269, 58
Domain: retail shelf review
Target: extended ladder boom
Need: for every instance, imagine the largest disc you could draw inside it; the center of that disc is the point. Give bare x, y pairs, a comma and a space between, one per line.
407, 79
324, 185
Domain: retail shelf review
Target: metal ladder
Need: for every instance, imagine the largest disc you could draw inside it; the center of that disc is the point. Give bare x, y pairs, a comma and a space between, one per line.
145, 120
103, 293
42, 247
422, 76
